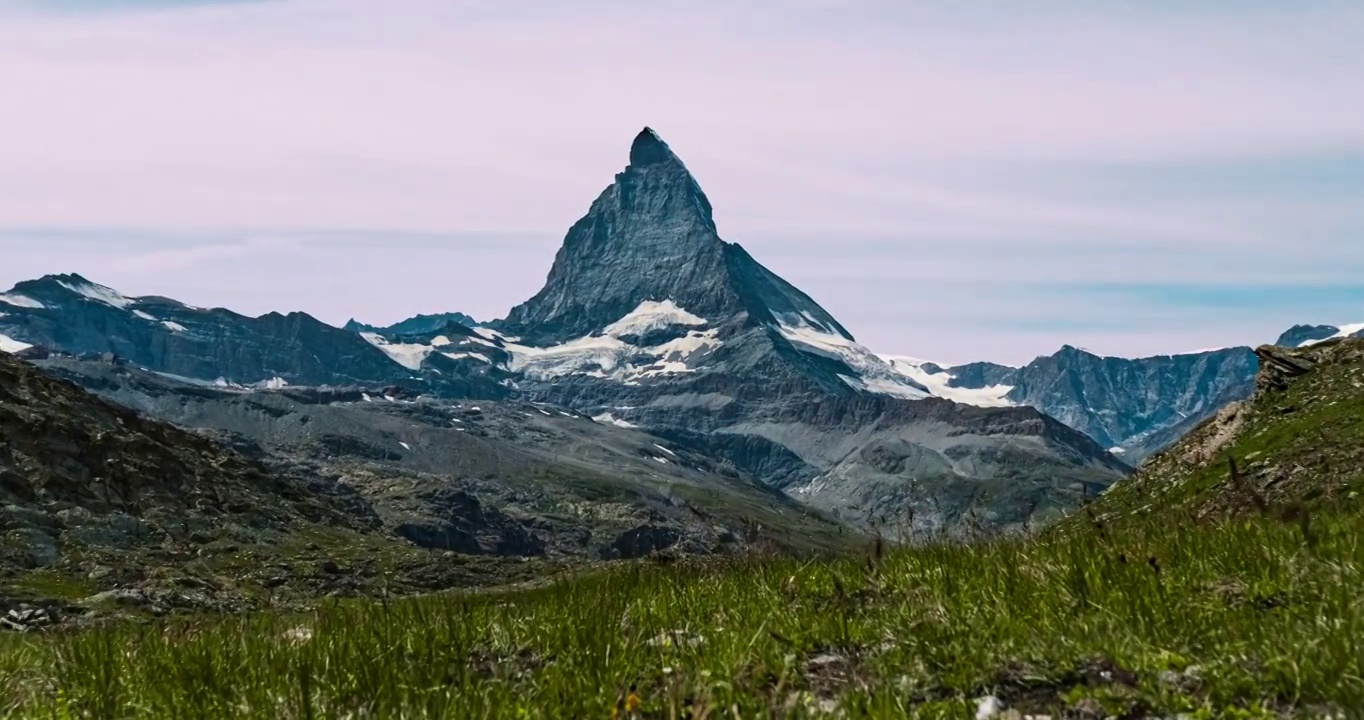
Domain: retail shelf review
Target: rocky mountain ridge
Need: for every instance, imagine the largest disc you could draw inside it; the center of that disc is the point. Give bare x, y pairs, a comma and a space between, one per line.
1133, 406
647, 319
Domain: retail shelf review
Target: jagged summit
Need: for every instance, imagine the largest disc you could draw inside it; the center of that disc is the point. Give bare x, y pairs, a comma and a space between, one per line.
650, 149
651, 237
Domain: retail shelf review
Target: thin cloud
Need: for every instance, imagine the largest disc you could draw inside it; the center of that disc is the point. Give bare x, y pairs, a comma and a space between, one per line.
922, 169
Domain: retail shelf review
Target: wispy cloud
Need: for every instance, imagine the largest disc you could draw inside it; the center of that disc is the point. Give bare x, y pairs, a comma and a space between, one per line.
947, 178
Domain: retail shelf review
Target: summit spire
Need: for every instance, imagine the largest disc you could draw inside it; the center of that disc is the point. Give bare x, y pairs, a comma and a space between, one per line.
649, 149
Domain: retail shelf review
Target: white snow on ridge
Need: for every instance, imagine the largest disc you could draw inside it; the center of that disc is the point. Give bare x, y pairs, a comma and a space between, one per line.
1342, 332
609, 419
607, 356
174, 326
651, 315
10, 345
409, 355
99, 293
471, 355
874, 374
937, 384
22, 301
144, 316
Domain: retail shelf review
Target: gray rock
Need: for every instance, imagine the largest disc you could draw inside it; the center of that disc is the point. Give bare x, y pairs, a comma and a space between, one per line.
640, 541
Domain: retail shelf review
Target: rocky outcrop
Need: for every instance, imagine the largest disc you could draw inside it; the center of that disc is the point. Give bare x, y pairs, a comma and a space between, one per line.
641, 541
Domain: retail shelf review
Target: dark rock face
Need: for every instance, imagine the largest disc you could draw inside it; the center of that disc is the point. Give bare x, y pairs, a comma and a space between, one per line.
465, 525
640, 541
651, 236
416, 325
978, 374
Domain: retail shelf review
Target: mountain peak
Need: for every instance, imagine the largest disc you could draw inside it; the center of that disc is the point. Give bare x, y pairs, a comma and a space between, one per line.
650, 149
650, 237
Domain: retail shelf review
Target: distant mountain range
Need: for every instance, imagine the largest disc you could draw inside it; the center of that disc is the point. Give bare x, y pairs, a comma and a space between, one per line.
649, 320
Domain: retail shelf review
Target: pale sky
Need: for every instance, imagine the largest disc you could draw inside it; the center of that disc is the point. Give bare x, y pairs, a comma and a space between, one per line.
952, 183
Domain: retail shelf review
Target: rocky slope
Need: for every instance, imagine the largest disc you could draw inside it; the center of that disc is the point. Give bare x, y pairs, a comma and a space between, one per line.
504, 478
103, 505
1297, 441
280, 496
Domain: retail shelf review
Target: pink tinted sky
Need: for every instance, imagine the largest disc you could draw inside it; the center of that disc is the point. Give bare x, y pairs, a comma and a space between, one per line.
932, 175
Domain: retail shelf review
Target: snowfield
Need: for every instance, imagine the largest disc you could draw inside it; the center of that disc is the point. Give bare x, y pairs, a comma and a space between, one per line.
937, 384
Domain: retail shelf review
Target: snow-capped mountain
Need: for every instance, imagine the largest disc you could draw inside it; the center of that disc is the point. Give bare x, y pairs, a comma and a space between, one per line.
1133, 406
647, 319
71, 314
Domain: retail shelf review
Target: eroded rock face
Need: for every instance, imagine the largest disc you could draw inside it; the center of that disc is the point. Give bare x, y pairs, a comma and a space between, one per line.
463, 524
641, 541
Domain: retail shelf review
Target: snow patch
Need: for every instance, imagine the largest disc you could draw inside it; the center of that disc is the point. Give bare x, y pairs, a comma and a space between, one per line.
607, 356
10, 345
666, 450
409, 355
651, 315
405, 445
937, 384
470, 355
144, 316
661, 460
609, 419
99, 293
22, 301
874, 374
276, 383
174, 326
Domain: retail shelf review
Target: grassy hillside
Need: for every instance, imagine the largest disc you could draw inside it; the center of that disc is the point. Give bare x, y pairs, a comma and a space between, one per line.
1296, 446
1234, 620
1180, 592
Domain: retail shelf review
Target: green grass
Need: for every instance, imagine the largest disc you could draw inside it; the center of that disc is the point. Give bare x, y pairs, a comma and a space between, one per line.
1240, 619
